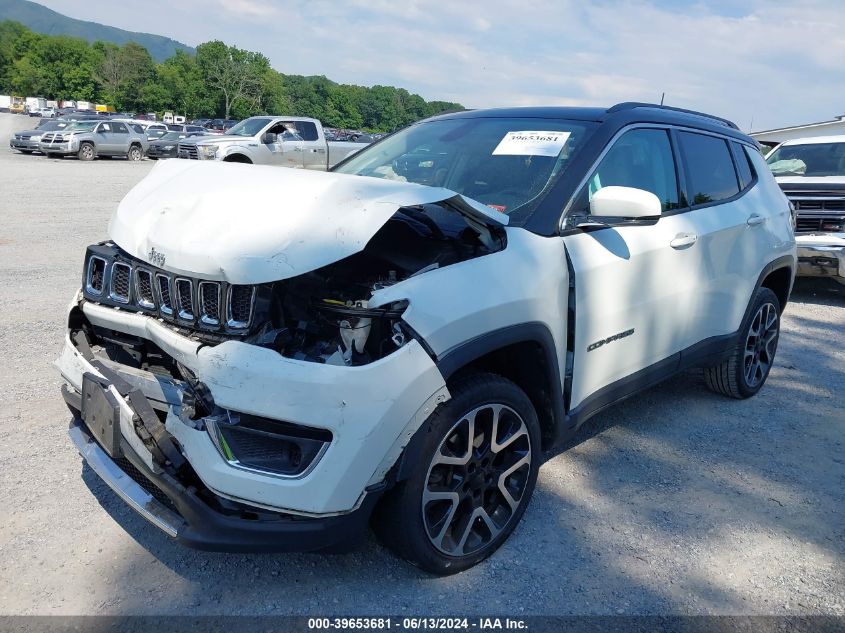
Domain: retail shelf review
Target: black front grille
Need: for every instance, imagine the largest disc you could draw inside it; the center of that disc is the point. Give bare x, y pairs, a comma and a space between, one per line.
240, 305
188, 151
827, 224
144, 288
96, 274
185, 299
120, 280
164, 295
209, 298
114, 278
138, 477
819, 204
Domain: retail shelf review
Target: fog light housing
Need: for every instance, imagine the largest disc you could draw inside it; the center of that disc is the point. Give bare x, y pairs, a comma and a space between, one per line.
267, 446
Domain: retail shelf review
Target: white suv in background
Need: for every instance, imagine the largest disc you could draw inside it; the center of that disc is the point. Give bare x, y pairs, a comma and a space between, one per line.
265, 359
811, 172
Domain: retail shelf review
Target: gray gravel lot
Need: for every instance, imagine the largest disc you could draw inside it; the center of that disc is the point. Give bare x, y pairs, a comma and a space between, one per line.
676, 501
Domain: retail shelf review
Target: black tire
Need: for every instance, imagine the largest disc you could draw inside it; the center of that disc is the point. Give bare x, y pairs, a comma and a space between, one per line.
237, 158
745, 371
86, 152
446, 540
135, 153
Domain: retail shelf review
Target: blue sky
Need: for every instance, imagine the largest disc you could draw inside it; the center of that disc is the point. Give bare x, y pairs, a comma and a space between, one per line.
769, 62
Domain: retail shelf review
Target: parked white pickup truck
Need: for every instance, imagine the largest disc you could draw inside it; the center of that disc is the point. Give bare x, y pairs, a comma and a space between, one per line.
264, 140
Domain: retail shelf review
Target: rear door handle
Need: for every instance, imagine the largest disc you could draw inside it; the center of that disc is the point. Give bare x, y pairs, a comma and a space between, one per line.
682, 240
755, 220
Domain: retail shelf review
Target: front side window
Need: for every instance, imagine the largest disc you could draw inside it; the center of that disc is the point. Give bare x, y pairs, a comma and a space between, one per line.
248, 127
641, 159
710, 170
506, 163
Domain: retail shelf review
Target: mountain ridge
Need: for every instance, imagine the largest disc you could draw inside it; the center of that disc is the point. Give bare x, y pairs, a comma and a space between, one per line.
41, 19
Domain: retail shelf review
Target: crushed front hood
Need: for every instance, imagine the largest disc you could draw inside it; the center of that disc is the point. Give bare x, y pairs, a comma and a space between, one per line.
249, 224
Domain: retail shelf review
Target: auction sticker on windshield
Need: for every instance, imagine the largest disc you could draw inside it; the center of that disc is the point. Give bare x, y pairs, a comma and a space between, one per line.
531, 143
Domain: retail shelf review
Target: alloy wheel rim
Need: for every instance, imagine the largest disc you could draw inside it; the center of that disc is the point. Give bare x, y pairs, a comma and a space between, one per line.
87, 151
134, 154
761, 344
476, 480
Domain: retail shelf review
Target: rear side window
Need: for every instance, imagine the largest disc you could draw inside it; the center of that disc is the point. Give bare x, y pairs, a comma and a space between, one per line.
710, 170
744, 170
641, 159
307, 130
119, 128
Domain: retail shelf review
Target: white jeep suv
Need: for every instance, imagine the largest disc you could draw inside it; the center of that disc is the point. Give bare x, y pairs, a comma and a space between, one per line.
265, 359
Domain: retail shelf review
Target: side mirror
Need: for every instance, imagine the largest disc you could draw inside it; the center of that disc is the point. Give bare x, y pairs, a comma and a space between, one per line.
625, 203
269, 138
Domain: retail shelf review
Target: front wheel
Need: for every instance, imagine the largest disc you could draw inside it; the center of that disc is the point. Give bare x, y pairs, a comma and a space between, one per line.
86, 152
472, 478
135, 153
743, 373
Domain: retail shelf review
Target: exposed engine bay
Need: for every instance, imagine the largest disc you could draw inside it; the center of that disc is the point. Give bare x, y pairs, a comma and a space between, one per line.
324, 316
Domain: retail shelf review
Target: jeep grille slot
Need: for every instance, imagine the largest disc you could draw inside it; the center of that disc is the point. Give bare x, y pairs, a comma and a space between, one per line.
144, 289
185, 299
209, 300
96, 276
240, 306
164, 295
120, 282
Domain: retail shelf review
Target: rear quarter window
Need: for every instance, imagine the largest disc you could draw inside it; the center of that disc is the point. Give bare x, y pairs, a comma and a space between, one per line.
744, 170
711, 176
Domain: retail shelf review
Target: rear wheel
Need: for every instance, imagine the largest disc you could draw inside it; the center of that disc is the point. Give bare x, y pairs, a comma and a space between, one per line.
135, 153
472, 480
745, 371
86, 152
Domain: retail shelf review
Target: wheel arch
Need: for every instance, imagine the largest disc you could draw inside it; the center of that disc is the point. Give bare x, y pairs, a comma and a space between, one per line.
237, 157
778, 277
526, 355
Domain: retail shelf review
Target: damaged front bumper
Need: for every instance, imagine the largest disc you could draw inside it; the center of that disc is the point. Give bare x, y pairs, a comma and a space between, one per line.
370, 412
822, 255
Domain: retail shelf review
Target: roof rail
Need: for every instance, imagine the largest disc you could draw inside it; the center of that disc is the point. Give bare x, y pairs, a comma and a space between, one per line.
630, 105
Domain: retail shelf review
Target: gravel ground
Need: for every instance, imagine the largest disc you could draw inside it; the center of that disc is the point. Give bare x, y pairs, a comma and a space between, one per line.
677, 501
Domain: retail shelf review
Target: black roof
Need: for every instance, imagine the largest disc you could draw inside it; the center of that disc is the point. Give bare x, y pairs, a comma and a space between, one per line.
620, 114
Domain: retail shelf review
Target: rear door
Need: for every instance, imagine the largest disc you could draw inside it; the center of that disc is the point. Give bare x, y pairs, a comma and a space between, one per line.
636, 286
314, 149
733, 238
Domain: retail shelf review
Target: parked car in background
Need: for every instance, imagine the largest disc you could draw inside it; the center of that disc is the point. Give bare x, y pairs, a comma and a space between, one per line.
28, 141
89, 139
811, 172
47, 113
166, 146
182, 127
265, 140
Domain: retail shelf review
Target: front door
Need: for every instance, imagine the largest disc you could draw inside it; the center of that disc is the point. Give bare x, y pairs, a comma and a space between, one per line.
635, 286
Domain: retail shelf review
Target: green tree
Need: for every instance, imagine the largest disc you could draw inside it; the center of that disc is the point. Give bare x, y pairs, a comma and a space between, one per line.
234, 74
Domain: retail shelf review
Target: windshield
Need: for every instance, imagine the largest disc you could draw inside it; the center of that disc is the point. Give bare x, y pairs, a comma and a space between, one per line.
82, 126
248, 127
173, 136
810, 159
52, 125
506, 164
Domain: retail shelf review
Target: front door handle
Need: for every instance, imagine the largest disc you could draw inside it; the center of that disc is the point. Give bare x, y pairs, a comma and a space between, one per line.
683, 240
755, 220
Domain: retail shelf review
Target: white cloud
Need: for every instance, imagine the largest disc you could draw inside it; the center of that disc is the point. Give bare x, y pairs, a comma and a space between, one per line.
777, 61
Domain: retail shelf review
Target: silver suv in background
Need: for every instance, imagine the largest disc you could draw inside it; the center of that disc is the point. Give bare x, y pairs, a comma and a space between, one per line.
28, 141
89, 139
